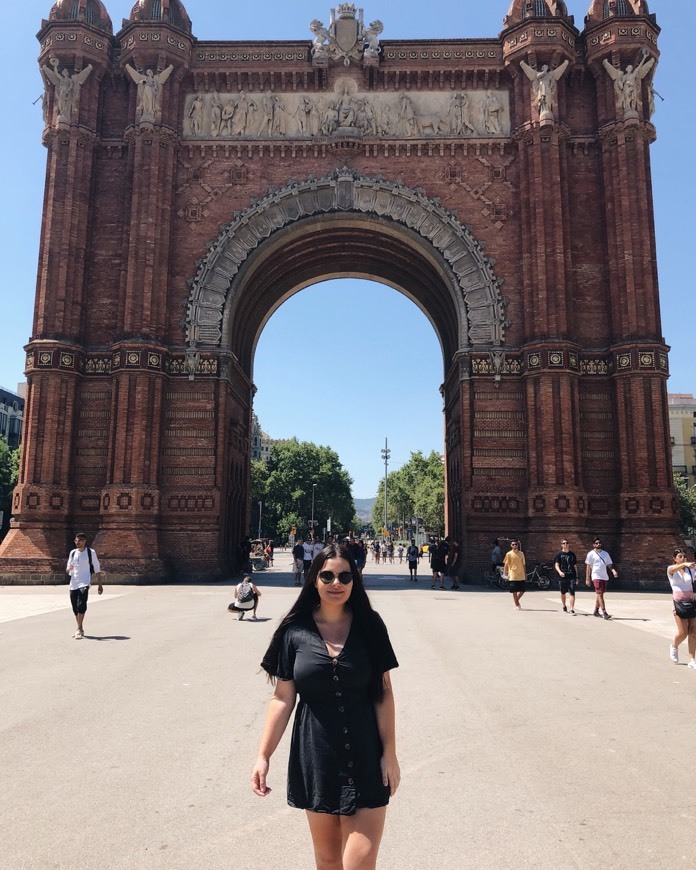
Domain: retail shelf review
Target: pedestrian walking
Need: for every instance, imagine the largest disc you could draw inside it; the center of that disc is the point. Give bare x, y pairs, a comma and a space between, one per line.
333, 650
515, 566
307, 556
565, 564
412, 557
400, 553
452, 570
681, 578
317, 546
598, 564
246, 598
298, 562
82, 566
496, 556
438, 562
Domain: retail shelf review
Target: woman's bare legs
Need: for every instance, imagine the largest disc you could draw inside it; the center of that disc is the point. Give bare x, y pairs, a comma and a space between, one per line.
327, 840
682, 630
347, 842
692, 638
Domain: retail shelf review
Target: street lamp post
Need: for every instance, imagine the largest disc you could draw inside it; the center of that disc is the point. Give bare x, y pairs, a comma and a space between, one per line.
259, 534
314, 486
386, 452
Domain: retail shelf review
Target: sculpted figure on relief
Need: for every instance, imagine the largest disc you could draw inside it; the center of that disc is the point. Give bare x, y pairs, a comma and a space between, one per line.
491, 111
459, 119
627, 84
215, 115
545, 87
149, 91
196, 115
371, 37
67, 88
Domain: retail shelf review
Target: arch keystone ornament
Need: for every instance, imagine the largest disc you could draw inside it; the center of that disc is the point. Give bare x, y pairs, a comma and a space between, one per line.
139, 369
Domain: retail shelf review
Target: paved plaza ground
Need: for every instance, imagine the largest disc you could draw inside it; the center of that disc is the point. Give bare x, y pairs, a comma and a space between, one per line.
526, 740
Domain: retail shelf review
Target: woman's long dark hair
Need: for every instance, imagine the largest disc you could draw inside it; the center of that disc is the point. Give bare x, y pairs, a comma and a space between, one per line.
308, 600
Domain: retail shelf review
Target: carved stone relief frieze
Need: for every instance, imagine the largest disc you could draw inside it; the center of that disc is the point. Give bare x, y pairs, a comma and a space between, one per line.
349, 112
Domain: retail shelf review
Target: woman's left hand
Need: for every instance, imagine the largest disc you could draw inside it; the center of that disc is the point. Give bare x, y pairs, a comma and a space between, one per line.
391, 774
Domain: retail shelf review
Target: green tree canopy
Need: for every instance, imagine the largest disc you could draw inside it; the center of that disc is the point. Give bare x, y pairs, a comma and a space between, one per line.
293, 467
415, 489
9, 471
687, 505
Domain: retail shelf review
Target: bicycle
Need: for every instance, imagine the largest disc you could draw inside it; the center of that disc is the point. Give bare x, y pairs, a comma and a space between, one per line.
539, 576
494, 577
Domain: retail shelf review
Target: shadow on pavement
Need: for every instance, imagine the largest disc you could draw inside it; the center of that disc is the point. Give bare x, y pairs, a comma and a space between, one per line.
106, 637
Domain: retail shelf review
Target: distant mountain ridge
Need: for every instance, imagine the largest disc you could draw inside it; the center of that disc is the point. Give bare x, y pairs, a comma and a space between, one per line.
363, 508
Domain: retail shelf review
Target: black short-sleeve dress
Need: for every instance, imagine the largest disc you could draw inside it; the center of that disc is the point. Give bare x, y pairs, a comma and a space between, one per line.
336, 748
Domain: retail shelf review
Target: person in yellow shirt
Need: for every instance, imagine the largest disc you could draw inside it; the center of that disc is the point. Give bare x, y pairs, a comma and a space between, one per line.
515, 567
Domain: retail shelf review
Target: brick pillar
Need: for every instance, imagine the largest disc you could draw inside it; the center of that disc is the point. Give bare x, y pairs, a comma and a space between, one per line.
555, 493
129, 538
646, 503
43, 501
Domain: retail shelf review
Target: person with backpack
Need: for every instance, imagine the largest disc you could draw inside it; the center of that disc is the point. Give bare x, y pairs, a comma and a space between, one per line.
82, 565
246, 598
598, 564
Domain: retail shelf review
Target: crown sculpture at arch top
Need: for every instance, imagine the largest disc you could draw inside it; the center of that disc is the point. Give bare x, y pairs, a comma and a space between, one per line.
479, 300
346, 37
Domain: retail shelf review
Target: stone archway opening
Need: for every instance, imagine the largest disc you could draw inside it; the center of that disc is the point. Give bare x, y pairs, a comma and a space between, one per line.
345, 363
344, 225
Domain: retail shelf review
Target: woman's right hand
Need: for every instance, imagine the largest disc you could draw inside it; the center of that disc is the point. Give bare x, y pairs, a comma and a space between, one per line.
258, 778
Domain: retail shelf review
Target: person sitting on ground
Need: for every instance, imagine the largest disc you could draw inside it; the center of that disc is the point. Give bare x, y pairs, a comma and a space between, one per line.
246, 598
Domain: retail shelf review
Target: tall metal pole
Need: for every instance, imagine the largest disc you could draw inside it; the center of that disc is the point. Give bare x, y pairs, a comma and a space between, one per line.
259, 534
314, 486
386, 452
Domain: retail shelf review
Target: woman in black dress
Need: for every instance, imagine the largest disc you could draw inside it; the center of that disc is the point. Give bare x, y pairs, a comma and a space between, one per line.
334, 651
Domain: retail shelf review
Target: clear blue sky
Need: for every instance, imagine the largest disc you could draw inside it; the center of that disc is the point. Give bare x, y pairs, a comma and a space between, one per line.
383, 359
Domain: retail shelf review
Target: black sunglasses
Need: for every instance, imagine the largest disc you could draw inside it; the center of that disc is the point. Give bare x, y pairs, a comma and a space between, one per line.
344, 577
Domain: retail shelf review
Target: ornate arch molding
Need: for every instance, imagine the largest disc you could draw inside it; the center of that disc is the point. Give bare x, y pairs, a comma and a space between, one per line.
347, 191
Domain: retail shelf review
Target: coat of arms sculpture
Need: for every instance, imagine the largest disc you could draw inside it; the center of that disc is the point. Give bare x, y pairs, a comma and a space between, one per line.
346, 37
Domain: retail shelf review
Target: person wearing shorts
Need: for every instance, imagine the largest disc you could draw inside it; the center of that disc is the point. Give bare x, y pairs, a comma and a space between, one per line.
298, 562
412, 557
565, 564
515, 566
598, 564
82, 564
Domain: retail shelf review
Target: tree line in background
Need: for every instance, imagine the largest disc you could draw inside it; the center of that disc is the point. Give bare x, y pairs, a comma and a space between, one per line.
417, 489
9, 473
298, 471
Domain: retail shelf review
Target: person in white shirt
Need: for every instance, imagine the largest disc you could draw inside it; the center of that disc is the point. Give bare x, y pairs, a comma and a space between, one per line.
82, 564
681, 575
598, 564
308, 548
317, 548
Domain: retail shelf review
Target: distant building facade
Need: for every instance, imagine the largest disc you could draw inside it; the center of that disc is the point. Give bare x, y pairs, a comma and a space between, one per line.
11, 416
260, 442
682, 430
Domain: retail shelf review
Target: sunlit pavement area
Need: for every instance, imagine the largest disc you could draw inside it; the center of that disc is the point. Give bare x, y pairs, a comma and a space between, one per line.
532, 739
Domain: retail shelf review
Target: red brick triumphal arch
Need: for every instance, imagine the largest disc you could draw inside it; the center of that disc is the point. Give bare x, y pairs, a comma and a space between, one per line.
502, 184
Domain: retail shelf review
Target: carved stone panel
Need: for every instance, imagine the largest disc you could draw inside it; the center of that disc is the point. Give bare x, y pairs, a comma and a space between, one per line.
347, 111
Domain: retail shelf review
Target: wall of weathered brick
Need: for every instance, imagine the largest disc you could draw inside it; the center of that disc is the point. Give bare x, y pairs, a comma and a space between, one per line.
567, 437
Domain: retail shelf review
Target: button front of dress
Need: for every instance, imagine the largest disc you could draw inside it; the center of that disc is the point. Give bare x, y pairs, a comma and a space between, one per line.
334, 761
347, 801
